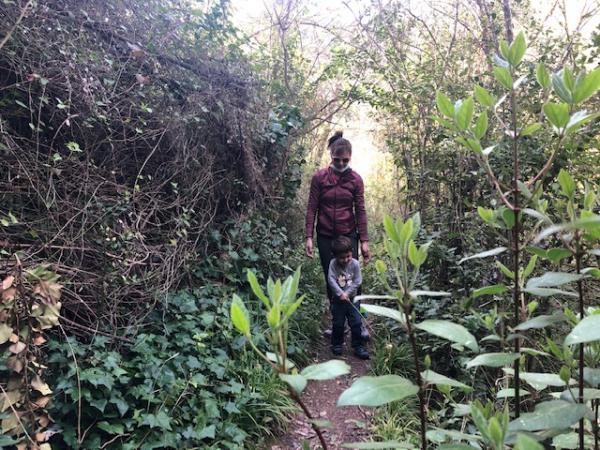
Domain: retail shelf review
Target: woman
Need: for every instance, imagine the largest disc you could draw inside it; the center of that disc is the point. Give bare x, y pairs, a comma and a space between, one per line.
337, 200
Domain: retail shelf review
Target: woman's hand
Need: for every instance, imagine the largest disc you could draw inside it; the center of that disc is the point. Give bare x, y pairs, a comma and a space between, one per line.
309, 247
364, 250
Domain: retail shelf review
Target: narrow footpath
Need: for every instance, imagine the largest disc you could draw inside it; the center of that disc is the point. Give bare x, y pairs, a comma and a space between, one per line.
348, 423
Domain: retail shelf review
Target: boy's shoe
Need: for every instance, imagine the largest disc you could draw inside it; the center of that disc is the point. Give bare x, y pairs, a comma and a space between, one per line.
364, 333
361, 352
327, 332
337, 350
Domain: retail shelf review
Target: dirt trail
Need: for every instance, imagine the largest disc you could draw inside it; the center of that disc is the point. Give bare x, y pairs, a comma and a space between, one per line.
349, 423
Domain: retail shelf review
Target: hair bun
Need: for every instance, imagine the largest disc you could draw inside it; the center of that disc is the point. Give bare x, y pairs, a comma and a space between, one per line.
336, 136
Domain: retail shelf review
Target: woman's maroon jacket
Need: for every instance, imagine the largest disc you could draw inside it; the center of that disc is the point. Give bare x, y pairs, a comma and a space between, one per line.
338, 201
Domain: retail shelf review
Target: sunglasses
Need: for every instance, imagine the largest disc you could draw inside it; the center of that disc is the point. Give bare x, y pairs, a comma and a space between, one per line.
342, 160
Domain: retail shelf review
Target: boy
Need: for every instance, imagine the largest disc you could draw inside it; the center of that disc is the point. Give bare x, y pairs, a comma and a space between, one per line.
344, 279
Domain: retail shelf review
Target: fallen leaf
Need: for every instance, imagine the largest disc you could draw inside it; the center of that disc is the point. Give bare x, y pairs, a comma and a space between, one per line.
42, 401
7, 282
40, 386
17, 348
15, 364
22, 446
44, 421
9, 423
39, 340
40, 437
141, 79
8, 294
10, 398
48, 290
14, 338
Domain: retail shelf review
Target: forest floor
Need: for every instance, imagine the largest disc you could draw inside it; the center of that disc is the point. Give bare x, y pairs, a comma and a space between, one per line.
348, 423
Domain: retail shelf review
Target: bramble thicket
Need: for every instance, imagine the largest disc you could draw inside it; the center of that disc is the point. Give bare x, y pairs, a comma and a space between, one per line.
156, 161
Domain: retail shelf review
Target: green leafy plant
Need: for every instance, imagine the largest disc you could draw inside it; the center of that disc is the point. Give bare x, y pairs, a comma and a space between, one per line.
280, 304
523, 212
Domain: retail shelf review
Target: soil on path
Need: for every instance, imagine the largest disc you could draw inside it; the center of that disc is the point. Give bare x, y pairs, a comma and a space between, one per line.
348, 423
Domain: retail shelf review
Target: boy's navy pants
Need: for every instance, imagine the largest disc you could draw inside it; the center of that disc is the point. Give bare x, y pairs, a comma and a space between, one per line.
340, 311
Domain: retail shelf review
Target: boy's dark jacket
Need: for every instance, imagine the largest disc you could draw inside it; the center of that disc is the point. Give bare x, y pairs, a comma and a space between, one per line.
338, 201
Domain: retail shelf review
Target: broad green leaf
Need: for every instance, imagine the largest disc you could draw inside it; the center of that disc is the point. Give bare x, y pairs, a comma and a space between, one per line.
444, 105
579, 119
239, 316
541, 322
431, 377
405, 232
552, 279
416, 220
560, 88
540, 381
489, 290
296, 382
385, 312
274, 316
557, 114
556, 254
376, 391
486, 151
571, 441
547, 292
542, 76
413, 254
588, 330
591, 376
525, 442
450, 331
530, 266
378, 445
537, 215
483, 96
325, 371
504, 77
493, 360
567, 184
464, 114
257, 289
273, 357
572, 395
554, 414
455, 447
517, 50
380, 267
481, 125
508, 217
485, 213
418, 293
510, 393
530, 129
390, 229
493, 252
590, 224
586, 88
440, 435
505, 270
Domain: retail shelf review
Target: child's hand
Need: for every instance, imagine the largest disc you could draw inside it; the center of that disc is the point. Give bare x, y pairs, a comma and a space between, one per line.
344, 297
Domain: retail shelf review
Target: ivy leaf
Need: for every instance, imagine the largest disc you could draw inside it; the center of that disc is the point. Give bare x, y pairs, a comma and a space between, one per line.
160, 420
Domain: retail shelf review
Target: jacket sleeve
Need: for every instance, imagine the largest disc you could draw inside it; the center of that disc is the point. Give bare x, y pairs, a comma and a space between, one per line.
356, 279
312, 207
359, 209
332, 279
